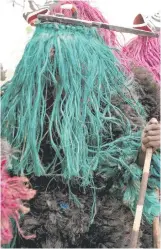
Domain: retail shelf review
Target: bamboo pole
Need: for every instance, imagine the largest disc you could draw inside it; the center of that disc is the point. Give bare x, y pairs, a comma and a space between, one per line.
140, 204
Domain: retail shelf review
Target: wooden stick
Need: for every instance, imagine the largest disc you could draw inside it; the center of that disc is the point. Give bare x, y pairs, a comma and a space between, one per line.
156, 230
72, 21
140, 204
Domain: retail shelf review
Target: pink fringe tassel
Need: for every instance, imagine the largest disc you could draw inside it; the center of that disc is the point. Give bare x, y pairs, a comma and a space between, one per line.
13, 192
144, 52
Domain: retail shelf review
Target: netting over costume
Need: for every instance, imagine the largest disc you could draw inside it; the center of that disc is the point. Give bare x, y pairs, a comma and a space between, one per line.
68, 96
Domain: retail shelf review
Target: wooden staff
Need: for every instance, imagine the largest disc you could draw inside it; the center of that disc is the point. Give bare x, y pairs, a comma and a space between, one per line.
140, 204
156, 230
65, 20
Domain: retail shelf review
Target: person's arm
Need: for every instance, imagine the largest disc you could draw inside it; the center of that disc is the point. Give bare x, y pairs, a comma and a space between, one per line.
150, 138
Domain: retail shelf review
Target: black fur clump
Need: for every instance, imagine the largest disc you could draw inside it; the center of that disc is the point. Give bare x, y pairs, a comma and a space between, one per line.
147, 235
148, 92
112, 227
59, 223
56, 219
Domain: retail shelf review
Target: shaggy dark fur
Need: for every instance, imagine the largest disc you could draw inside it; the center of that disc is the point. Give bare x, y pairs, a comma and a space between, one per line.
147, 236
148, 92
61, 224
58, 222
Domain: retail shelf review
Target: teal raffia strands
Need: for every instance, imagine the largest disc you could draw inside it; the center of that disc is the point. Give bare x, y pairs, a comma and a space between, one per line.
68, 91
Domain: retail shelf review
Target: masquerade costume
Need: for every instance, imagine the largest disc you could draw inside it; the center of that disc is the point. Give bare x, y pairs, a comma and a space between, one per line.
70, 111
